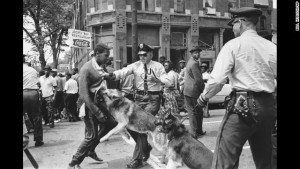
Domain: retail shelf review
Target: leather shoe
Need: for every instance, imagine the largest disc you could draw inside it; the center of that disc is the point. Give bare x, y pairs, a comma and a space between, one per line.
201, 134
135, 164
94, 156
51, 125
38, 143
147, 153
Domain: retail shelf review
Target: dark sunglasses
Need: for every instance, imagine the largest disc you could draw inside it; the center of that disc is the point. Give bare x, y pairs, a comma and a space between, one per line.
239, 20
145, 55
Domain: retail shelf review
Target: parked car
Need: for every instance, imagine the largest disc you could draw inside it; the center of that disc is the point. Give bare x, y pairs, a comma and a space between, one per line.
218, 100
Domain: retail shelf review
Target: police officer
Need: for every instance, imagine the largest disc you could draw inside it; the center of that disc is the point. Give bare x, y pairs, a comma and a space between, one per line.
148, 78
249, 61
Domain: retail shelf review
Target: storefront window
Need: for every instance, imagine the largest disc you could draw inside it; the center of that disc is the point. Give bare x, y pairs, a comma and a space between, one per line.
209, 7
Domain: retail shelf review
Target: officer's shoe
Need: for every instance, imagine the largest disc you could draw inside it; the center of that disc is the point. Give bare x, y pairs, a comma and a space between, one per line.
94, 156
201, 134
135, 164
38, 143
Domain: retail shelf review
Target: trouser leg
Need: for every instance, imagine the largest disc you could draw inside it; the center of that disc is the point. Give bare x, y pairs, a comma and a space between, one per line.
193, 115
261, 144
233, 134
50, 108
91, 134
44, 110
104, 129
32, 107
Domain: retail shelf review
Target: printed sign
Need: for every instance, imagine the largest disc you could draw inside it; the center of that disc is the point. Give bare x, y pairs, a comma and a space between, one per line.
79, 39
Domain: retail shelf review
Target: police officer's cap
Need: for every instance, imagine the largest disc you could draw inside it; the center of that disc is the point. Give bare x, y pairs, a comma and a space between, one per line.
182, 61
196, 48
244, 12
143, 48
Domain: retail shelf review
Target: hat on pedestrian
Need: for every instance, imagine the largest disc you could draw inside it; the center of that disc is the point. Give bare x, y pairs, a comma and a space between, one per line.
195, 48
143, 48
54, 70
243, 12
203, 65
182, 61
47, 67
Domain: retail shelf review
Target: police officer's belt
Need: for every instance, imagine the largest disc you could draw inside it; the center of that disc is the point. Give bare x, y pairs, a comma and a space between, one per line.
141, 92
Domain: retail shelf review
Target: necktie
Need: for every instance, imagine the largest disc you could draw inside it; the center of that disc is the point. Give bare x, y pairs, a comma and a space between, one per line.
145, 79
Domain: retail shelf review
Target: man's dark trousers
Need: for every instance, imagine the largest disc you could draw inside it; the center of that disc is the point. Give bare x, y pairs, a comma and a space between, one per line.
234, 133
150, 103
70, 103
195, 115
92, 135
31, 105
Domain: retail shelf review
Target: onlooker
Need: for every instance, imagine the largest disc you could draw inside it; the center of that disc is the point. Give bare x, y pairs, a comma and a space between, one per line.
180, 99
250, 63
42, 104
31, 103
70, 90
162, 59
148, 77
95, 111
193, 87
59, 97
171, 91
205, 74
48, 88
75, 76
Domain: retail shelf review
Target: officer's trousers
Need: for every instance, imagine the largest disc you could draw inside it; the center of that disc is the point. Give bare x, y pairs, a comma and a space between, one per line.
150, 103
234, 132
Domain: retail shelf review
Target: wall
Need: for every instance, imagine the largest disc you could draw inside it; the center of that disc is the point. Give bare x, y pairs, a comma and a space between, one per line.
146, 34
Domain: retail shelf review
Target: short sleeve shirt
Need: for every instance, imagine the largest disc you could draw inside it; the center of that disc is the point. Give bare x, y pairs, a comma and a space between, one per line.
47, 85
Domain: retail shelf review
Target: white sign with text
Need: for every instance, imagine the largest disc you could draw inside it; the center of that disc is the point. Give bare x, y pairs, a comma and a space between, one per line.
79, 39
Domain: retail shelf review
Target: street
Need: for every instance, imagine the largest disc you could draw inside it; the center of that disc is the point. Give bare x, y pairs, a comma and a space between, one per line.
62, 141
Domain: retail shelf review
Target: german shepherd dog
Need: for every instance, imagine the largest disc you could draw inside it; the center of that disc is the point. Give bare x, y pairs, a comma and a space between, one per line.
182, 147
130, 116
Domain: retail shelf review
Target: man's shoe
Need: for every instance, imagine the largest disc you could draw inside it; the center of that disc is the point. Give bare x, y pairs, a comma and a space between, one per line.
38, 143
94, 156
147, 153
135, 164
201, 134
74, 167
51, 125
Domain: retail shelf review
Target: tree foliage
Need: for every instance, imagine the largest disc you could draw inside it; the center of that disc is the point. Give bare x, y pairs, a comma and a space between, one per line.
51, 19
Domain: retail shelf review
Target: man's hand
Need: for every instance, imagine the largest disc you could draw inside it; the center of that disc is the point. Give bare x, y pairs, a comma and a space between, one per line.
152, 78
201, 101
110, 76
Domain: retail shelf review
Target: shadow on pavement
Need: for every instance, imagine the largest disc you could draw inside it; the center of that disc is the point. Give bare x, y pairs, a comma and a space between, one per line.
51, 144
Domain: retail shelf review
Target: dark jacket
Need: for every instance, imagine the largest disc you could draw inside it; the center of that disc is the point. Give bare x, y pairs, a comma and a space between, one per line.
193, 82
89, 76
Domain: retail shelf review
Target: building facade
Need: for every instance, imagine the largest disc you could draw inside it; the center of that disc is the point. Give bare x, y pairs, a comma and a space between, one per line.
171, 27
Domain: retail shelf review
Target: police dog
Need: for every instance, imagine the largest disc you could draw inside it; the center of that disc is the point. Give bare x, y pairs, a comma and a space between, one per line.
182, 147
130, 116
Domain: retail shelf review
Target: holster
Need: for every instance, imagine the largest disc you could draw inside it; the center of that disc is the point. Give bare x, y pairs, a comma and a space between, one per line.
241, 103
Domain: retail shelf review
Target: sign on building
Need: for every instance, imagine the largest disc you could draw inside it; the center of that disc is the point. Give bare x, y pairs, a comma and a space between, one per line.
79, 39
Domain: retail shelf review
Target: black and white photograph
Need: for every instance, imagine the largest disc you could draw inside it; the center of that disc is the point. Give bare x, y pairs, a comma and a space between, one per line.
151, 84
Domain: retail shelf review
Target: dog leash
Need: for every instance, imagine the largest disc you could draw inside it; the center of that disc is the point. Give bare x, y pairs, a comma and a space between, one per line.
184, 118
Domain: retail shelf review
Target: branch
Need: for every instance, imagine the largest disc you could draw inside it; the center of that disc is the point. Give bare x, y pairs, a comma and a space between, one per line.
32, 39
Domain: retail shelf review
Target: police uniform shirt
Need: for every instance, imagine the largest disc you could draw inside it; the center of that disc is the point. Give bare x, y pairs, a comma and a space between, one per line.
250, 63
30, 77
137, 69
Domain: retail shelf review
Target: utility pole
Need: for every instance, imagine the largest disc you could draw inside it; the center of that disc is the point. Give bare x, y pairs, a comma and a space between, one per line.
134, 31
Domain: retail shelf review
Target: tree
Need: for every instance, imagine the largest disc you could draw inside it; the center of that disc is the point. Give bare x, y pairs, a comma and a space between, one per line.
51, 19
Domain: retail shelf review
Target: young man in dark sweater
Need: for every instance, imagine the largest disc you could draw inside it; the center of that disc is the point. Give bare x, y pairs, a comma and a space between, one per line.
90, 82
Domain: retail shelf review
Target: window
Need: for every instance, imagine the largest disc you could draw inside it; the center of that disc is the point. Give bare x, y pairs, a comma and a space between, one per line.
149, 5
178, 39
179, 6
209, 7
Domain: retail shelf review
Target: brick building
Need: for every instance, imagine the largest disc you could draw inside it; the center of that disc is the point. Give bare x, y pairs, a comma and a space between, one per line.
172, 27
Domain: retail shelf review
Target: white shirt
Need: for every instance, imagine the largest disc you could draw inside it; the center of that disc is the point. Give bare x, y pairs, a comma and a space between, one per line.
127, 84
250, 63
100, 70
30, 77
137, 69
173, 76
71, 86
47, 85
205, 76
